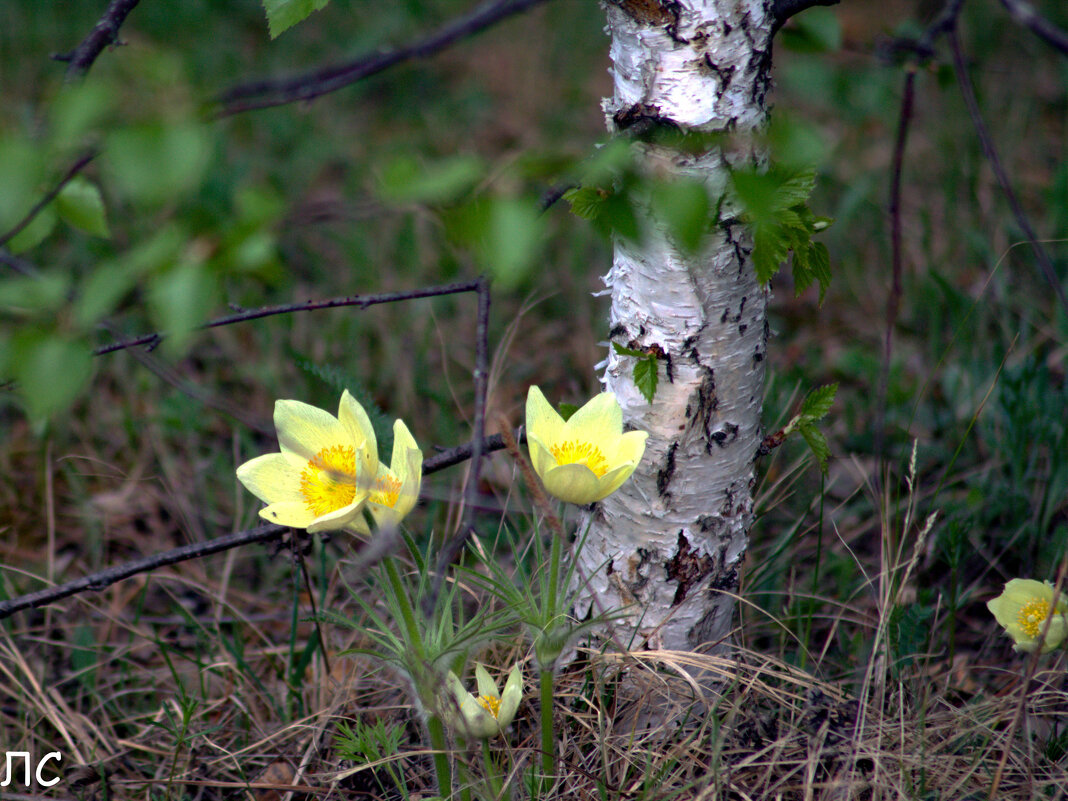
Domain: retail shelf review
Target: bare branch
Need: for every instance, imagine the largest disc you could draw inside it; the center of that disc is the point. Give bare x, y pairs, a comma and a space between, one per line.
104, 33
363, 301
893, 300
966, 90
266, 533
105, 578
268, 93
39, 206
782, 10
452, 548
1024, 14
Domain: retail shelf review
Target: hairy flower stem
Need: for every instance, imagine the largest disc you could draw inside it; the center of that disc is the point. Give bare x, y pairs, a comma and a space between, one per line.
548, 760
435, 728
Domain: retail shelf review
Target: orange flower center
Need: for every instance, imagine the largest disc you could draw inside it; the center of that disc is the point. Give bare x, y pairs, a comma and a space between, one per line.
328, 483
575, 452
491, 703
386, 490
1032, 615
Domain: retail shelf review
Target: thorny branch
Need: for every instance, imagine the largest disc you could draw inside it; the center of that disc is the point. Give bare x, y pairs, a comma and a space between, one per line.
104, 33
268, 93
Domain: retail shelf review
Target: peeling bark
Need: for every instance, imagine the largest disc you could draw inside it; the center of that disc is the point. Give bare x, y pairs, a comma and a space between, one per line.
669, 542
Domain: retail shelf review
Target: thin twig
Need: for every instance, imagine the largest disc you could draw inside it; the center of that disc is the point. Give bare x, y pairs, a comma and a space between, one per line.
105, 578
363, 301
1024, 14
39, 206
104, 33
893, 300
268, 93
991, 153
453, 547
19, 265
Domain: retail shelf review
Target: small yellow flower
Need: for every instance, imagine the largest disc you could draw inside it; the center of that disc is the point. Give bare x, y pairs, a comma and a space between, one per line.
487, 714
1022, 609
396, 488
586, 458
323, 475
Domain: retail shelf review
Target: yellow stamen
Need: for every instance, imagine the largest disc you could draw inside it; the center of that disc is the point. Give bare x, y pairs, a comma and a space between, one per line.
1032, 615
491, 703
574, 452
386, 490
328, 483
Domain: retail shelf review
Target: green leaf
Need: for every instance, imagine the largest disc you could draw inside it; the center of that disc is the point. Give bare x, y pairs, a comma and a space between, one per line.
647, 376
513, 239
816, 442
683, 205
158, 163
566, 410
820, 261
22, 169
284, 14
50, 372
34, 233
622, 351
406, 180
77, 109
180, 300
770, 249
586, 201
46, 293
80, 204
101, 292
818, 402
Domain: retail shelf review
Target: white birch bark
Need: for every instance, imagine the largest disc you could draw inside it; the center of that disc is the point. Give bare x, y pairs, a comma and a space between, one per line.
667, 545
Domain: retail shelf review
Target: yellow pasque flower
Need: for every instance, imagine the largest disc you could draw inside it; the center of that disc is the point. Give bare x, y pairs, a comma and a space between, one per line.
1022, 609
396, 488
487, 714
586, 458
325, 470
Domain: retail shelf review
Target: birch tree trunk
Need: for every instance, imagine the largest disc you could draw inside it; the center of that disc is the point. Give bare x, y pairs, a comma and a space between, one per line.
667, 545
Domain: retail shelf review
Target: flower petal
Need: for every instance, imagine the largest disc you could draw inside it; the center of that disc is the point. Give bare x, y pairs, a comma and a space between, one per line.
542, 419
631, 448
540, 455
486, 685
288, 513
510, 697
354, 419
574, 483
599, 422
340, 518
273, 477
614, 479
304, 430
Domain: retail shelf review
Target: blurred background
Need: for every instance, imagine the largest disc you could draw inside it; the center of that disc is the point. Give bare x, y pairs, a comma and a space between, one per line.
433, 171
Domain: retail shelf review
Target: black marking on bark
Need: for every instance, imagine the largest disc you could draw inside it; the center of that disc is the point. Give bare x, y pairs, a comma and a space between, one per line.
687, 567
667, 472
727, 508
610, 568
741, 329
617, 330
725, 436
702, 404
643, 122
725, 74
758, 356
